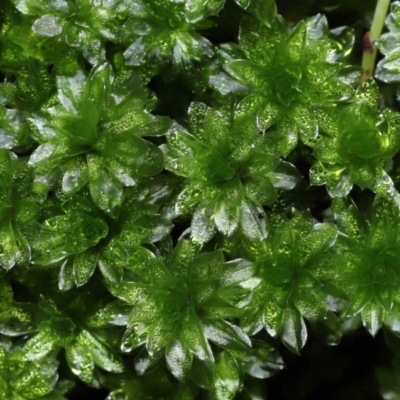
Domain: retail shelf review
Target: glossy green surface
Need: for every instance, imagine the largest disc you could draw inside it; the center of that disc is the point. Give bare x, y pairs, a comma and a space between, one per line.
187, 186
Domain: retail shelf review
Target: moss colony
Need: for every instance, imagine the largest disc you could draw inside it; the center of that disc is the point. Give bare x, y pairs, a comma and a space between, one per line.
193, 190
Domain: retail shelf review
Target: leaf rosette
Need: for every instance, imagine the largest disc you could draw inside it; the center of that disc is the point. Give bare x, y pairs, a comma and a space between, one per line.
94, 136
181, 303
22, 380
355, 144
18, 210
81, 24
289, 289
81, 238
365, 262
289, 72
230, 172
65, 325
167, 31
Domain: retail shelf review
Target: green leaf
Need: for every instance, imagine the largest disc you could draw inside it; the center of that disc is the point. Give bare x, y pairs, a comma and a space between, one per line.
66, 280
262, 362
111, 266
264, 10
202, 226
39, 346
80, 361
102, 355
253, 221
84, 265
227, 377
310, 305
193, 338
372, 317
294, 331
202, 374
226, 335
179, 359
328, 331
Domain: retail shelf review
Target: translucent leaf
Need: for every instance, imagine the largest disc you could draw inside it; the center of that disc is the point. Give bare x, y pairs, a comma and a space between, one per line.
193, 338
179, 359
296, 41
111, 266
226, 335
317, 27
114, 313
392, 321
227, 209
84, 265
202, 373
102, 356
294, 331
388, 42
259, 190
182, 258
344, 40
357, 302
39, 346
106, 193
26, 210
80, 361
253, 221
130, 292
273, 317
310, 305
372, 317
134, 337
70, 90
249, 73
42, 152
196, 10
285, 176
202, 226
157, 337
243, 3
227, 376
76, 175
262, 362
227, 218
135, 53
48, 25
328, 331
320, 239
264, 10
143, 362
35, 383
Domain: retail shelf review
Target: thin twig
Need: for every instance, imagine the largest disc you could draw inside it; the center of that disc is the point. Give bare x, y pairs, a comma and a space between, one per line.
369, 54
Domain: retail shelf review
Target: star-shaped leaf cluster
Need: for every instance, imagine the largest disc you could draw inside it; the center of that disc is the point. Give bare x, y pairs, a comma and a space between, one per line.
111, 114
65, 325
81, 238
365, 262
354, 144
18, 210
80, 24
22, 380
180, 303
289, 72
288, 288
231, 171
167, 32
